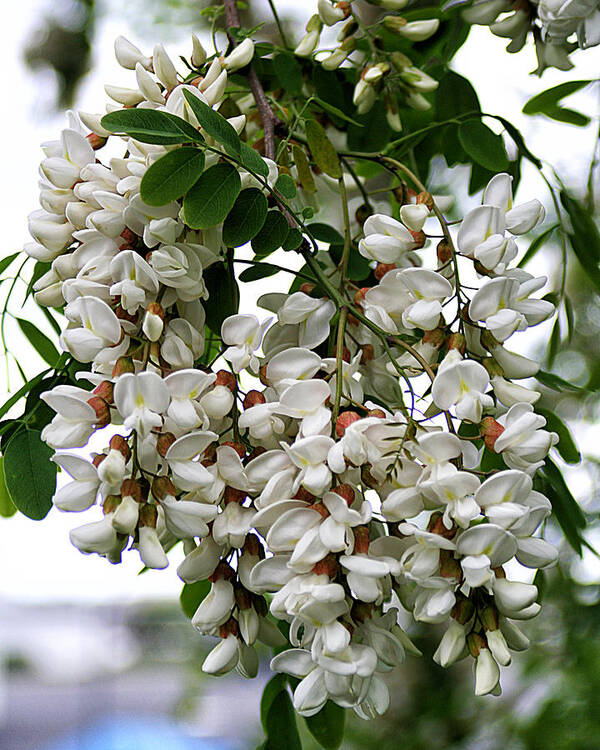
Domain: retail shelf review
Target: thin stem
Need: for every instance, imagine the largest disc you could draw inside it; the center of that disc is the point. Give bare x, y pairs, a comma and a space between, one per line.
347, 232
274, 265
279, 24
339, 364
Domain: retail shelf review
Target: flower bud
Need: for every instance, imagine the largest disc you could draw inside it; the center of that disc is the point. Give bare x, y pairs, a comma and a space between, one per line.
128, 54
457, 341
253, 398
413, 215
223, 657
451, 646
497, 645
491, 431
164, 68
105, 391
163, 487
102, 410
487, 673
164, 441
154, 321
361, 540
122, 366
336, 58
444, 252
198, 53
328, 566
332, 14
240, 56
344, 420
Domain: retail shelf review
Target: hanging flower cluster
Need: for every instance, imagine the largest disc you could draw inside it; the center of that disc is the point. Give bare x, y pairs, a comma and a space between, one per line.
322, 467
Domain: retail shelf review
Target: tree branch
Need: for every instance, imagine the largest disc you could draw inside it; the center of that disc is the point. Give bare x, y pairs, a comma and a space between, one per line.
267, 116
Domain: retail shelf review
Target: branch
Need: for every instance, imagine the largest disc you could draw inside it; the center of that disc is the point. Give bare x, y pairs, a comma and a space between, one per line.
267, 116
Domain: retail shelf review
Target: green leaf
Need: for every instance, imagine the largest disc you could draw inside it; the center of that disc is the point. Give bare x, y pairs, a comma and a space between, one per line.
272, 234
325, 233
224, 296
7, 507
570, 313
280, 720
327, 726
262, 271
246, 218
214, 124
293, 239
209, 201
171, 176
536, 244
286, 186
305, 174
483, 145
23, 390
455, 96
554, 344
556, 383
322, 149
565, 508
5, 262
519, 140
371, 132
569, 116
252, 160
40, 342
30, 474
585, 238
566, 445
151, 126
192, 595
336, 111
289, 73
275, 685
546, 101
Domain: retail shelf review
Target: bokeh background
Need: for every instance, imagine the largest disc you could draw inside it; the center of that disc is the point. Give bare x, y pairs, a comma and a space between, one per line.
95, 657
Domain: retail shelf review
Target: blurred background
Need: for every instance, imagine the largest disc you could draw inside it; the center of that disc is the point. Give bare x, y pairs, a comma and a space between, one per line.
95, 657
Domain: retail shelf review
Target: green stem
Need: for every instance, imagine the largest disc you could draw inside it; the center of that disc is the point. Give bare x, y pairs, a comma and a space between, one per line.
284, 40
347, 234
339, 364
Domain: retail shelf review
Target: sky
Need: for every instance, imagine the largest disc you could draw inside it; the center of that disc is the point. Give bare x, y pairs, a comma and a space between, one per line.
37, 562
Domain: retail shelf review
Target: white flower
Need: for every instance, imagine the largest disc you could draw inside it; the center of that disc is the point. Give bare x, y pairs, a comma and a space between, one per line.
309, 454
239, 57
188, 473
185, 388
215, 608
305, 400
487, 673
523, 444
461, 382
243, 334
311, 315
80, 494
141, 400
386, 240
75, 419
97, 328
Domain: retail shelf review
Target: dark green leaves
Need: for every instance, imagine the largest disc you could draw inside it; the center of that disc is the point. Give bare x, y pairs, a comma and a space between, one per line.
224, 296
40, 342
327, 726
546, 103
192, 595
171, 176
286, 186
272, 234
259, 271
565, 508
455, 96
536, 244
5, 262
566, 444
289, 73
151, 126
278, 717
325, 233
252, 161
212, 197
246, 218
585, 238
323, 150
30, 475
214, 124
483, 145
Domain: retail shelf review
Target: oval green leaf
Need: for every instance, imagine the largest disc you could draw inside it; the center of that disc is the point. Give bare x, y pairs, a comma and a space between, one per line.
209, 201
272, 234
171, 176
30, 474
252, 160
323, 150
327, 726
259, 271
40, 342
192, 595
286, 186
483, 145
214, 124
246, 218
566, 445
151, 126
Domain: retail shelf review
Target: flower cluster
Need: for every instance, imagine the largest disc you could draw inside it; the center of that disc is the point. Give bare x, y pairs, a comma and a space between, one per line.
322, 486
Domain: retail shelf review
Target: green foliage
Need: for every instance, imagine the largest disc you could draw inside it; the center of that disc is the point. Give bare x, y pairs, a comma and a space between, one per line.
212, 197
7, 507
584, 238
172, 176
322, 149
246, 218
271, 235
286, 186
40, 342
547, 103
278, 717
214, 124
252, 161
565, 508
289, 73
566, 445
151, 126
30, 475
483, 145
327, 726
224, 296
5, 262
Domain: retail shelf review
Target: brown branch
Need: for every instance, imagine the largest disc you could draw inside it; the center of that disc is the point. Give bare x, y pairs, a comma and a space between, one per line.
267, 116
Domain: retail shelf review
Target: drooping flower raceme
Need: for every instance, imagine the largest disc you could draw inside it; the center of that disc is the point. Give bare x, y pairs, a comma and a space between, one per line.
314, 454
